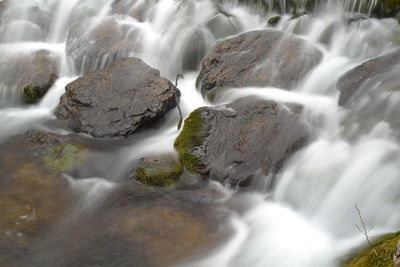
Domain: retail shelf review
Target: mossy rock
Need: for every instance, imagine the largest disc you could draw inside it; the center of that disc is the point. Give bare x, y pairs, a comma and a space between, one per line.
65, 157
274, 20
30, 94
162, 171
191, 136
379, 254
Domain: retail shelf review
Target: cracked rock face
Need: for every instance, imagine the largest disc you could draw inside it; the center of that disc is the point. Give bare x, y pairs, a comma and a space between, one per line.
243, 139
259, 58
117, 101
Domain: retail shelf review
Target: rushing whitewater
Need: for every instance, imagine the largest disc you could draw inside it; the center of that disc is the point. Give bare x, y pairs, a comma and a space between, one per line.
305, 217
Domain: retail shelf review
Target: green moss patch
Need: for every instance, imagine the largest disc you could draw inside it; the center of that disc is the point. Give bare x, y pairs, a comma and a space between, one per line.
65, 157
161, 171
380, 254
274, 20
30, 94
192, 135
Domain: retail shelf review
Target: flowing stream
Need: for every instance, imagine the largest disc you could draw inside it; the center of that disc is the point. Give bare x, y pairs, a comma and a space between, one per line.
308, 217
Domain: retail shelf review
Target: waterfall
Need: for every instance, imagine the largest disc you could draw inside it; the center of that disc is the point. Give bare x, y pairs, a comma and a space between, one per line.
307, 219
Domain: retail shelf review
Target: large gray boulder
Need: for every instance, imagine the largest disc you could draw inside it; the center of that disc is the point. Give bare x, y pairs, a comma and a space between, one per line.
245, 138
259, 58
117, 101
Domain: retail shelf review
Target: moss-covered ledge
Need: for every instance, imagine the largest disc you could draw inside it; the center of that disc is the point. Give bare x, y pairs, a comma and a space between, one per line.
190, 137
379, 254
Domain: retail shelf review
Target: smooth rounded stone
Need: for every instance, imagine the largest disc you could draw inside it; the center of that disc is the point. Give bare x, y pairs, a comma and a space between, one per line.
259, 58
162, 170
28, 75
96, 43
238, 142
117, 101
353, 83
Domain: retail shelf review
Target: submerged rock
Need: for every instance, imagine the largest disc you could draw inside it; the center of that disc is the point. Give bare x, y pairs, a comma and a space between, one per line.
33, 74
58, 153
248, 137
117, 101
380, 253
161, 171
96, 43
258, 58
135, 228
32, 199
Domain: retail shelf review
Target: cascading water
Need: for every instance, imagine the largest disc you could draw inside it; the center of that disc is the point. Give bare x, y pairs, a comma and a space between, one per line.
308, 217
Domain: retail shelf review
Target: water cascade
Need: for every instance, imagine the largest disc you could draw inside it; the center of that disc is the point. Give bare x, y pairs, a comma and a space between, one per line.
303, 215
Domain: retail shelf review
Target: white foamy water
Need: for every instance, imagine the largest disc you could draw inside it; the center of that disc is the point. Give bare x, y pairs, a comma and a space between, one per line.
310, 219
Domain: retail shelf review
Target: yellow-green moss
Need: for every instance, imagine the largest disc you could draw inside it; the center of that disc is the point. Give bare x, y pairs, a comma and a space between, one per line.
380, 254
191, 136
274, 20
159, 171
65, 157
30, 94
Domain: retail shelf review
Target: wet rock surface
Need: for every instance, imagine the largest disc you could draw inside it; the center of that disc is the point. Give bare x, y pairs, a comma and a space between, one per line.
162, 170
106, 40
370, 92
353, 84
117, 101
258, 58
234, 143
31, 74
